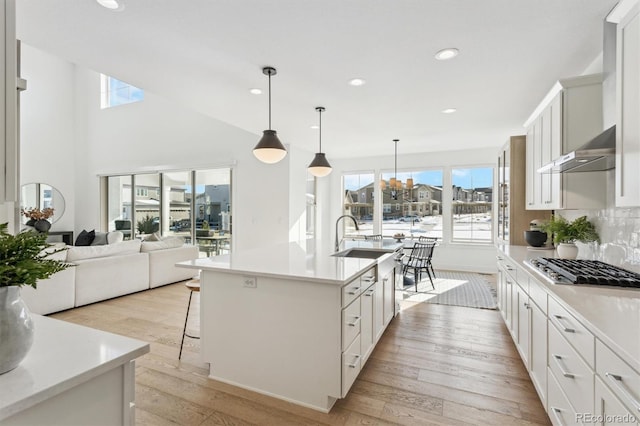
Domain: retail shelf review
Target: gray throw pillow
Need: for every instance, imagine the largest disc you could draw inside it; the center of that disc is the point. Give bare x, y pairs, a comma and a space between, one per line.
100, 239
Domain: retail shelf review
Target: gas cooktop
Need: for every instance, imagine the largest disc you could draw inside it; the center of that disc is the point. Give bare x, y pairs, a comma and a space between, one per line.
581, 271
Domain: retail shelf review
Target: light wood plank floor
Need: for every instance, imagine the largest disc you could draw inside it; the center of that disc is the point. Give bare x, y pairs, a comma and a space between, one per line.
435, 365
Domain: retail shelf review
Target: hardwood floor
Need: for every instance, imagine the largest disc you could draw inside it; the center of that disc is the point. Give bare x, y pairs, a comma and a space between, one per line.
435, 365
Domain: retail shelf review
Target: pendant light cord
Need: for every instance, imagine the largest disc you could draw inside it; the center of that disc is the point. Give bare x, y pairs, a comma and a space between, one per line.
269, 100
395, 166
320, 130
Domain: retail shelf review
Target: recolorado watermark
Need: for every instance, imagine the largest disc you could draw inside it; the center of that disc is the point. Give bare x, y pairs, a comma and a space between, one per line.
606, 418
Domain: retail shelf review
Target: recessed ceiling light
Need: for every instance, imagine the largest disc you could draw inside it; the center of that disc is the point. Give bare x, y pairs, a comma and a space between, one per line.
314, 127
255, 91
449, 111
448, 53
357, 82
115, 5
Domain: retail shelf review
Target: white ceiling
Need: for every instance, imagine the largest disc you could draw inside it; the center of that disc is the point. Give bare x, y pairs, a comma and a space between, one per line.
207, 54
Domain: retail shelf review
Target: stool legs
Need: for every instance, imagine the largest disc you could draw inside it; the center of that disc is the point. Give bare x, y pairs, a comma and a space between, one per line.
184, 330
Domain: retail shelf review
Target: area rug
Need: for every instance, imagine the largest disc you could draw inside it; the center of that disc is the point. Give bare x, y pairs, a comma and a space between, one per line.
453, 288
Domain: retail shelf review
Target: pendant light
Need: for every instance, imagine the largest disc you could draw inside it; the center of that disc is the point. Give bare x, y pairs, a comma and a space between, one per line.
269, 150
320, 167
394, 183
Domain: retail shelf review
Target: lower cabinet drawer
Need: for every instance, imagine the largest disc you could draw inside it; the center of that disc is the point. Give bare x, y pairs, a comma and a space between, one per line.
559, 409
351, 363
623, 380
573, 375
572, 330
350, 323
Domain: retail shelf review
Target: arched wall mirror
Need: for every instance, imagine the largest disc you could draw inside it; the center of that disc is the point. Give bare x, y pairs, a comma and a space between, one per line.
42, 196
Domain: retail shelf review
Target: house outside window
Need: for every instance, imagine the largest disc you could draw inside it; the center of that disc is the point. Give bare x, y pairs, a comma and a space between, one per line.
471, 208
358, 201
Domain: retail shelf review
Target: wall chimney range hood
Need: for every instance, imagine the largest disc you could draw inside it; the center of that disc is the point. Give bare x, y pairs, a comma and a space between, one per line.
596, 155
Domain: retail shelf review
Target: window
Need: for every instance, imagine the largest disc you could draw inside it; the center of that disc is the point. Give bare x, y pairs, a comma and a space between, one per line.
114, 92
472, 216
174, 204
358, 202
413, 209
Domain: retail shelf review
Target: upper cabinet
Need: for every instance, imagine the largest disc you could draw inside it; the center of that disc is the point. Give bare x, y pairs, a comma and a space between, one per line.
568, 117
628, 104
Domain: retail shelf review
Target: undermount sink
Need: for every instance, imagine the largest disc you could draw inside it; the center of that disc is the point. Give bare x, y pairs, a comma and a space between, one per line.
360, 253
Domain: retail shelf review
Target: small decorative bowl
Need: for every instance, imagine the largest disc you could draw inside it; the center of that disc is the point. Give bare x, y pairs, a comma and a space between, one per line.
535, 238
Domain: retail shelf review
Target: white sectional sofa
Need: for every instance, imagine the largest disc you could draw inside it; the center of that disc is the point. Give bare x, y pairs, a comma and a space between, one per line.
106, 271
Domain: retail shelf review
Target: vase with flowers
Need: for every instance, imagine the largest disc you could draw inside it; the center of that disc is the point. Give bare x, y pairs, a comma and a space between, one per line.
24, 259
39, 219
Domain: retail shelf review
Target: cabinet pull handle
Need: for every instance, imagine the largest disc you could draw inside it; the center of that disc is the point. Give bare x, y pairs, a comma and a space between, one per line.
556, 414
355, 364
526, 305
509, 268
564, 372
616, 380
564, 328
369, 293
353, 324
355, 291
369, 279
499, 258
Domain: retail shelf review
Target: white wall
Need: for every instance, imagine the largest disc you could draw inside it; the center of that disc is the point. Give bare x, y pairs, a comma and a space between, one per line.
47, 141
68, 141
454, 256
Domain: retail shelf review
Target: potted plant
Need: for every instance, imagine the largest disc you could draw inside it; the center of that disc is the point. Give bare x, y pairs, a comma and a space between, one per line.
566, 233
23, 261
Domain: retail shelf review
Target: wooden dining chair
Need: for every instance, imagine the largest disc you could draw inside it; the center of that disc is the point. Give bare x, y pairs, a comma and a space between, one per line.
376, 237
420, 260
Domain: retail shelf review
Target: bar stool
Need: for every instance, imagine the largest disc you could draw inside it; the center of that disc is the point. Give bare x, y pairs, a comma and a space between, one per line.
192, 285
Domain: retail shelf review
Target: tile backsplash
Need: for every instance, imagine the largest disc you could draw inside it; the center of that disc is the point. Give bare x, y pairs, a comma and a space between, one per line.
619, 230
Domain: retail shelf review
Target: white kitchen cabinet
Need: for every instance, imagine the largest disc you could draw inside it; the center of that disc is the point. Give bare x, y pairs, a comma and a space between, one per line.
389, 298
568, 117
609, 409
538, 339
523, 313
378, 308
559, 408
367, 337
628, 110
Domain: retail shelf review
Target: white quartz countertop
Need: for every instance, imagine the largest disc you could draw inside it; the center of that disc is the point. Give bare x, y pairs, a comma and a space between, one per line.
309, 260
611, 313
63, 355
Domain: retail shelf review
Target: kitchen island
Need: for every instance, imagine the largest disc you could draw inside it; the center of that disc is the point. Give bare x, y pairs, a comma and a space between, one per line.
293, 320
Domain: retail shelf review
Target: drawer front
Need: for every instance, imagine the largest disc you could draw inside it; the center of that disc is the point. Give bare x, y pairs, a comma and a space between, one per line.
538, 295
351, 291
351, 363
368, 278
573, 375
610, 410
623, 380
559, 409
350, 323
508, 265
579, 337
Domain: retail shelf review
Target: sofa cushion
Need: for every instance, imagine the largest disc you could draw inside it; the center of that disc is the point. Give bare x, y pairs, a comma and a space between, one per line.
85, 238
100, 239
115, 237
124, 247
165, 243
153, 237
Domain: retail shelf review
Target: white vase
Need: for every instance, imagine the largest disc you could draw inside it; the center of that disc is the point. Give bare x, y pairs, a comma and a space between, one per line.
16, 328
567, 251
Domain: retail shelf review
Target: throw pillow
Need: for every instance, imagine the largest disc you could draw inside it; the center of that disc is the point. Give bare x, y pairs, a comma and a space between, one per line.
153, 237
85, 238
100, 239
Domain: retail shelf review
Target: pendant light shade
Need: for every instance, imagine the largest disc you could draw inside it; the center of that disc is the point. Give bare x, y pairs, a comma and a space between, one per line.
320, 167
269, 149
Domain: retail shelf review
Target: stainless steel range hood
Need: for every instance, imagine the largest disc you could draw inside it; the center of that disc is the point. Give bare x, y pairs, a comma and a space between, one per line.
596, 155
